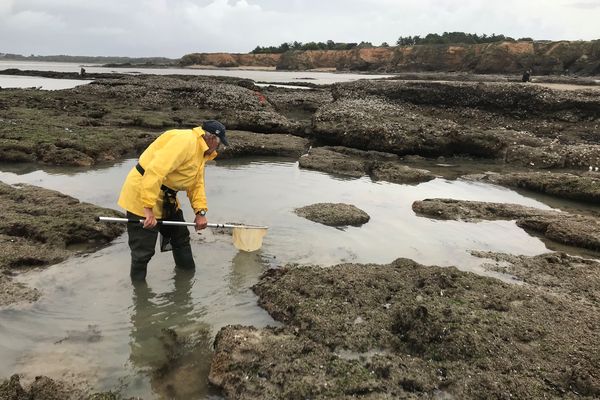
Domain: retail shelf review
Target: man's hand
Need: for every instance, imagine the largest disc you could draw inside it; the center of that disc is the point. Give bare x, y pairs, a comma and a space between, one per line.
200, 222
150, 219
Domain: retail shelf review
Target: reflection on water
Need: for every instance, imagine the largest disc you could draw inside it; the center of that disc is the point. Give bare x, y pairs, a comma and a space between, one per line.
90, 296
245, 270
153, 313
169, 347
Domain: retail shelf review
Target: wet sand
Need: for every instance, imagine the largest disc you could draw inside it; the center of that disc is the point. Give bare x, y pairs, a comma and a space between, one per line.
565, 86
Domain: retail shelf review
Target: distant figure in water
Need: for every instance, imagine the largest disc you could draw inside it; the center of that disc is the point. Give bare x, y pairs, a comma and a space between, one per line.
82, 73
526, 76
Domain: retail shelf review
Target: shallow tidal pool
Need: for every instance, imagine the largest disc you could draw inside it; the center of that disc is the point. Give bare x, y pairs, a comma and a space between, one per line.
91, 325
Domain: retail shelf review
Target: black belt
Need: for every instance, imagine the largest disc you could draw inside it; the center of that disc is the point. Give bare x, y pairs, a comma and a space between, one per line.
164, 188
169, 212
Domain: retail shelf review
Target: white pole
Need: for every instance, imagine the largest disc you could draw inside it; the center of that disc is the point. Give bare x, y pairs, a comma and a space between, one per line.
180, 223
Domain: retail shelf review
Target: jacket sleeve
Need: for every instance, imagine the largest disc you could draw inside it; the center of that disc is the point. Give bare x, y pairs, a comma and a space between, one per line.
197, 194
166, 160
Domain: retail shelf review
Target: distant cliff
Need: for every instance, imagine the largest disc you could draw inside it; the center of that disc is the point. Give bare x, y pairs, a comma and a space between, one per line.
579, 57
230, 60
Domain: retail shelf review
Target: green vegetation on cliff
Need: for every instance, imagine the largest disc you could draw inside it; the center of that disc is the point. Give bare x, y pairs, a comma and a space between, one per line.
329, 45
455, 37
431, 38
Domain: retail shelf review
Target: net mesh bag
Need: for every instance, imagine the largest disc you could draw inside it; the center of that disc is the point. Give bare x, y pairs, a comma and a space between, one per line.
248, 239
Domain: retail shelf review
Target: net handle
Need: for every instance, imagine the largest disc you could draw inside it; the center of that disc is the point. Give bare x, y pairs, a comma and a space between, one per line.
176, 223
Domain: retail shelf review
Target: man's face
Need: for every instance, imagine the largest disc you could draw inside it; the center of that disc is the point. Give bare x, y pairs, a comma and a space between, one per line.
213, 142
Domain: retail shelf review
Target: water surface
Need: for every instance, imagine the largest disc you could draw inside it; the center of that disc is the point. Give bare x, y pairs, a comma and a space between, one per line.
16, 81
320, 78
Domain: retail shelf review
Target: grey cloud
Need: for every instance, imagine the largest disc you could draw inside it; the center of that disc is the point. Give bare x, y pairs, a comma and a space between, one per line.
586, 5
173, 28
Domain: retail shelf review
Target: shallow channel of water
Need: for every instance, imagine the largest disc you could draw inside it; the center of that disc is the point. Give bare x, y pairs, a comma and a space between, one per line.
91, 325
15, 81
321, 78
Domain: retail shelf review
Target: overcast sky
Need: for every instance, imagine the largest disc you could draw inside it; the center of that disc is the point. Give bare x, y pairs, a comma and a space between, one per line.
172, 28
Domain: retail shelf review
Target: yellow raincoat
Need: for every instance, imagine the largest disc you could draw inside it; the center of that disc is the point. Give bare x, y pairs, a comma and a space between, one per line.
175, 159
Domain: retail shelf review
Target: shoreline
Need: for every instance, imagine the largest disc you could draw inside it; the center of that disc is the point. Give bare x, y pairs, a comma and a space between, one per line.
557, 82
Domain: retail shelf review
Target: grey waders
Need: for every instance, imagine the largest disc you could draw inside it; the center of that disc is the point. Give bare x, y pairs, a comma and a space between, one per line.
142, 243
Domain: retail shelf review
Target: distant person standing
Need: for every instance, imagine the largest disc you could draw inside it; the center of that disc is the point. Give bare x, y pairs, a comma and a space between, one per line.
82, 72
526, 76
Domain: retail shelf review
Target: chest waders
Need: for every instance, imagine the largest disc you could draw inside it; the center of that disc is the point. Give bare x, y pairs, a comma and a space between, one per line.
142, 242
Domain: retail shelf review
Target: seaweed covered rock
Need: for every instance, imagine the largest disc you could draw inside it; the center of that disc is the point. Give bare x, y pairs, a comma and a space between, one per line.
242, 143
573, 276
329, 160
405, 330
334, 214
506, 98
356, 163
43, 388
584, 186
371, 123
81, 126
554, 155
297, 104
38, 228
396, 173
527, 126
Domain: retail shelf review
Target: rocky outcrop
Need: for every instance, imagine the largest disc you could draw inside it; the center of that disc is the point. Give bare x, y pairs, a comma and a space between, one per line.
334, 214
397, 173
58, 75
38, 227
405, 330
553, 155
243, 143
518, 124
44, 388
357, 163
359, 59
41, 388
297, 104
326, 160
229, 60
482, 120
473, 211
375, 124
573, 57
502, 98
558, 273
583, 187
571, 229
111, 118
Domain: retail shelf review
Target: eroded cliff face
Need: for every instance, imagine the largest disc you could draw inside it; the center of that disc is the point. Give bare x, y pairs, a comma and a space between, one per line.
505, 57
229, 60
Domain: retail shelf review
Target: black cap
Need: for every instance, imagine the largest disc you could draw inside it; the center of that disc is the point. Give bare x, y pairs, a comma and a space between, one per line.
216, 128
